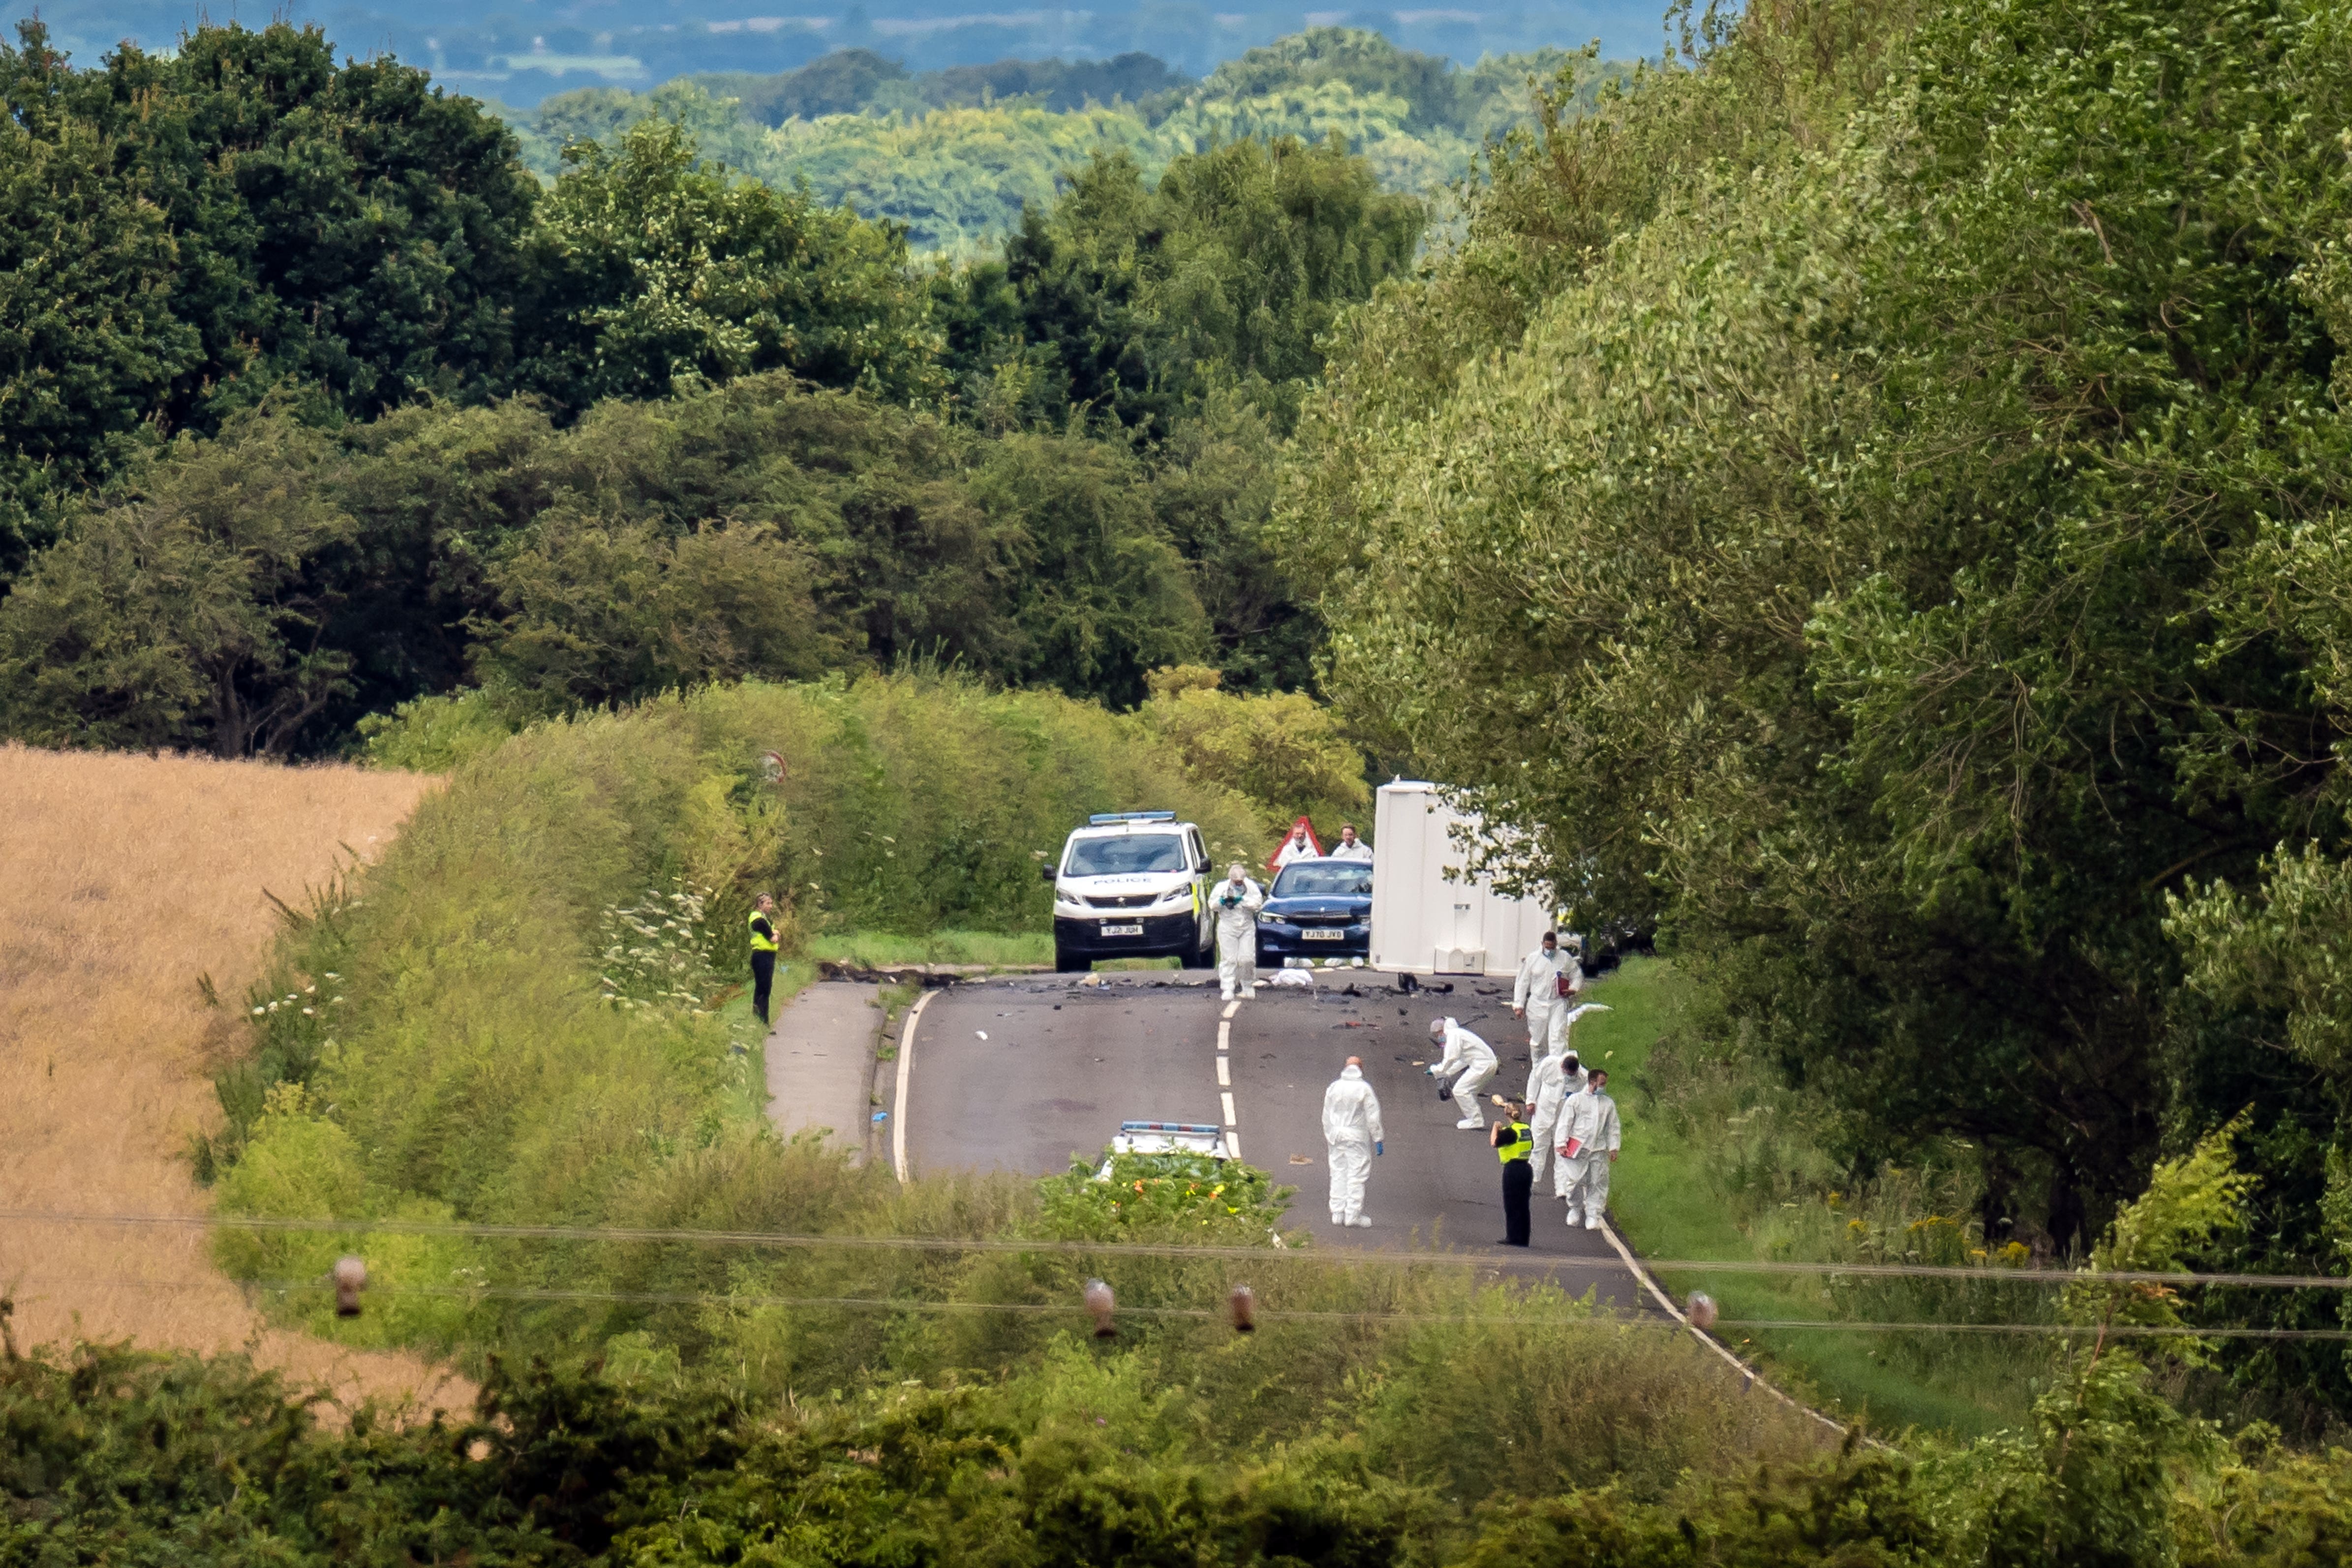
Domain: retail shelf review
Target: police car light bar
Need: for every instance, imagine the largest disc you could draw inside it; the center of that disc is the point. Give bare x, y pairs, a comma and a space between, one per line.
1196, 1128
1104, 818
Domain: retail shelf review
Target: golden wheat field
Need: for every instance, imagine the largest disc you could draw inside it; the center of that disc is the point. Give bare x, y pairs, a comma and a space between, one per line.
124, 878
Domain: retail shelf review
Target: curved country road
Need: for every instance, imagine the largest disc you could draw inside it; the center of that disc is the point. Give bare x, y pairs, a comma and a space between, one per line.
1064, 1064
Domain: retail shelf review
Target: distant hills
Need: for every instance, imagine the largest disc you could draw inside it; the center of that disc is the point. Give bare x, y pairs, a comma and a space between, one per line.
520, 51
954, 155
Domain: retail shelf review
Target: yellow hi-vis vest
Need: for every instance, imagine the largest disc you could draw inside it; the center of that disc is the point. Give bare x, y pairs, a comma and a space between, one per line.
763, 944
1518, 1146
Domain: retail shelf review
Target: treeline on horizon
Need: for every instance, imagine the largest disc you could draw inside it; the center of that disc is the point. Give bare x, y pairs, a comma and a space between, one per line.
313, 401
954, 154
521, 52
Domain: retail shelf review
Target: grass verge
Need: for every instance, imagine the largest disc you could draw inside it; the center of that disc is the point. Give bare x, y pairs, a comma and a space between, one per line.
879, 950
1717, 1166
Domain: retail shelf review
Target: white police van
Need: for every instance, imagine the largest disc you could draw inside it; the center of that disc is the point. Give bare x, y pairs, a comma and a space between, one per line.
1132, 884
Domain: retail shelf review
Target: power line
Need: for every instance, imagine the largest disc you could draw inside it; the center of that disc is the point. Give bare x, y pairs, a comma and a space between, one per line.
880, 1304
625, 1234
1052, 1308
2002, 1276
2076, 1330
784, 1240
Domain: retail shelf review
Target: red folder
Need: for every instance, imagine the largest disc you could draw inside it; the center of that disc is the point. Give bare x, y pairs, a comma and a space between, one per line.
1571, 1146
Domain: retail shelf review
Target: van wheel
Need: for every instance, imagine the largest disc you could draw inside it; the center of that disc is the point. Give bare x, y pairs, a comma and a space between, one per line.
1202, 957
1068, 962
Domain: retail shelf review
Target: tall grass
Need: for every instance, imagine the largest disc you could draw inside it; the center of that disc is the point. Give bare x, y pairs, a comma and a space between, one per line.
135, 913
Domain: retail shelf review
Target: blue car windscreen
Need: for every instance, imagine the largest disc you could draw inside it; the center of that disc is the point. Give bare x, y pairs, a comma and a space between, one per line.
1324, 879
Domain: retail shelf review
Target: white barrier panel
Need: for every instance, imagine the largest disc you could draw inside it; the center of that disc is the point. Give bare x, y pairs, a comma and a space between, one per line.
1426, 921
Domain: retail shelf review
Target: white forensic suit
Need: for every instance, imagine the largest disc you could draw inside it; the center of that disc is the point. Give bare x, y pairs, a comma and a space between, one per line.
1294, 850
1343, 850
1475, 1060
1236, 911
1549, 1087
1591, 1119
1537, 990
1568, 1023
1352, 1125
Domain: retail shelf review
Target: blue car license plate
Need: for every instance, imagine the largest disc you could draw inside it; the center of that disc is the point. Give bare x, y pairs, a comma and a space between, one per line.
1322, 936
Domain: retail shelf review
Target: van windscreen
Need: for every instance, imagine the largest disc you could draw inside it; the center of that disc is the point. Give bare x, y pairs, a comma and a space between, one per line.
1125, 855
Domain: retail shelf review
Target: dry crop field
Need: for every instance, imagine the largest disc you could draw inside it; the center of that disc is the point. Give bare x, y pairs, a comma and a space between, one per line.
123, 879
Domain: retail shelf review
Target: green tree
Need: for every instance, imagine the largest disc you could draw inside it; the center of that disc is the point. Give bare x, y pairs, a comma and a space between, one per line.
1229, 269
1811, 501
1214, 485
652, 273
1364, 61
188, 231
1280, 749
198, 611
88, 341
604, 611
1100, 594
348, 226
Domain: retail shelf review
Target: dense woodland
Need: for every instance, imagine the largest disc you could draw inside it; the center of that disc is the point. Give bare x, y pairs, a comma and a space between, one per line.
1874, 505
317, 402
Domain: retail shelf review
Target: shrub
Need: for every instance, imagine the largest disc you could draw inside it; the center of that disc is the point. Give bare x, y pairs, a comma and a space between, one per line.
1282, 749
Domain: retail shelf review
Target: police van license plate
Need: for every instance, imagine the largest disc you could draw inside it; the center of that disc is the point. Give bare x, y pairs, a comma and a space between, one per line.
1109, 929
1311, 935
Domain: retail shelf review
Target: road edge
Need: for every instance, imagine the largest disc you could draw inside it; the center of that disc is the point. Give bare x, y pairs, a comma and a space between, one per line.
1755, 1379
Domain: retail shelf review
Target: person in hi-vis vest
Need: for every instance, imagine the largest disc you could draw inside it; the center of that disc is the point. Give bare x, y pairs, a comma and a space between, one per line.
1513, 1141
763, 952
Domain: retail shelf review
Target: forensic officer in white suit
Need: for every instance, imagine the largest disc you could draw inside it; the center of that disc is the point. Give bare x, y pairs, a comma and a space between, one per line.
1589, 1139
1351, 1136
1549, 1087
1549, 1083
1473, 1058
1545, 989
1236, 901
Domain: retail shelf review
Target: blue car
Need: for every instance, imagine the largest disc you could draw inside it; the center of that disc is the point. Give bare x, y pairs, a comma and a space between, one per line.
1317, 910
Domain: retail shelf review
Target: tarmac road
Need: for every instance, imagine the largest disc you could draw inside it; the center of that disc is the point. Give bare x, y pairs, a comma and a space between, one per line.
1063, 1063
